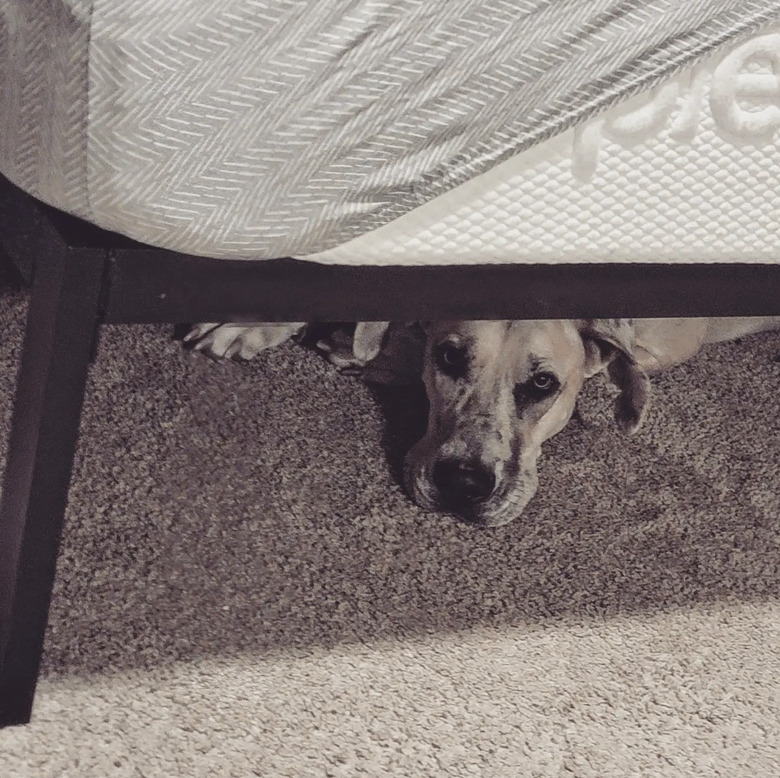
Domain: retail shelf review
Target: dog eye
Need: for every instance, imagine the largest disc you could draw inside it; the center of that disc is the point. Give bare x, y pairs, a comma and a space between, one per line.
537, 387
451, 359
544, 382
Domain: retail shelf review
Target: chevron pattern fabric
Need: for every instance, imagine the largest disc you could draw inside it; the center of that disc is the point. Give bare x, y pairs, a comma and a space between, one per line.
265, 128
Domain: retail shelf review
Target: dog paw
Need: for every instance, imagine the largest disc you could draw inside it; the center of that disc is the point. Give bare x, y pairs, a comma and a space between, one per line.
337, 348
351, 352
239, 341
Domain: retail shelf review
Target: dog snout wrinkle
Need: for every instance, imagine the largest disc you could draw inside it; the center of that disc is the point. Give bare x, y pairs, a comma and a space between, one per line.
463, 484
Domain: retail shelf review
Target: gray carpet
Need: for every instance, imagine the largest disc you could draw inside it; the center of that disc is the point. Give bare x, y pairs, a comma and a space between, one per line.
245, 590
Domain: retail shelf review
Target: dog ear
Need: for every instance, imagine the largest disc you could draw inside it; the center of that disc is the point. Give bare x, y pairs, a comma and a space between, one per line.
401, 359
367, 342
609, 343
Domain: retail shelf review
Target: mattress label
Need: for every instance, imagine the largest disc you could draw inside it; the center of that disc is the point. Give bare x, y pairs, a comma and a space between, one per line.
741, 92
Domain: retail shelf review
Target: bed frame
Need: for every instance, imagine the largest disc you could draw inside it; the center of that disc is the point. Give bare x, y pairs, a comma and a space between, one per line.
83, 277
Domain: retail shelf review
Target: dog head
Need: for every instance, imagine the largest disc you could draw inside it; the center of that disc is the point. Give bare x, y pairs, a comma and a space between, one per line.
499, 389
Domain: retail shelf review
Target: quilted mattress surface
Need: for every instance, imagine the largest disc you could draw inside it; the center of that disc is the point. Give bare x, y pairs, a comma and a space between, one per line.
397, 131
689, 172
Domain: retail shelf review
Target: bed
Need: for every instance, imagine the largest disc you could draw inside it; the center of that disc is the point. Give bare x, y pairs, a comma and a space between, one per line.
287, 160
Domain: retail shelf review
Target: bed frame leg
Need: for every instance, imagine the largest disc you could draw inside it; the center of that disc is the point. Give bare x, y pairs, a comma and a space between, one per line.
62, 324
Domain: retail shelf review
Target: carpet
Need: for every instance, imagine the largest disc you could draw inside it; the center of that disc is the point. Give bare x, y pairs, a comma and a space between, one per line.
245, 590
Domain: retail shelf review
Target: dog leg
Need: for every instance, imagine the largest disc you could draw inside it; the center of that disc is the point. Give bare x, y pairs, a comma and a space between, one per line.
383, 353
239, 341
351, 353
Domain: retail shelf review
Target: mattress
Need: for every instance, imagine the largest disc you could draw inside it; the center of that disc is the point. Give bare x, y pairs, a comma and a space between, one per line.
401, 131
687, 172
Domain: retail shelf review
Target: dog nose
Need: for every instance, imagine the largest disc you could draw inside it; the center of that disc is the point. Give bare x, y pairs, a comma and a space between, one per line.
463, 483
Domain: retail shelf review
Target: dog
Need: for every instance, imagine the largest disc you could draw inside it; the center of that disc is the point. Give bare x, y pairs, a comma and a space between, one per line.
497, 390
241, 342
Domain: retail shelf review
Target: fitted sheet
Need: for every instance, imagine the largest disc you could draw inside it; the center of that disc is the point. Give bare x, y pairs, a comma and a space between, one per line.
264, 128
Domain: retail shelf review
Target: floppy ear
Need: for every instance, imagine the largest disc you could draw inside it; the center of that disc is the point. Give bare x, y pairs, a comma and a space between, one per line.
609, 343
367, 342
401, 359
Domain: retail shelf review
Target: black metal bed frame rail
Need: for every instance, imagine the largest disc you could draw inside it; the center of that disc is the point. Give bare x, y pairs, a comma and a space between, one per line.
145, 284
83, 276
